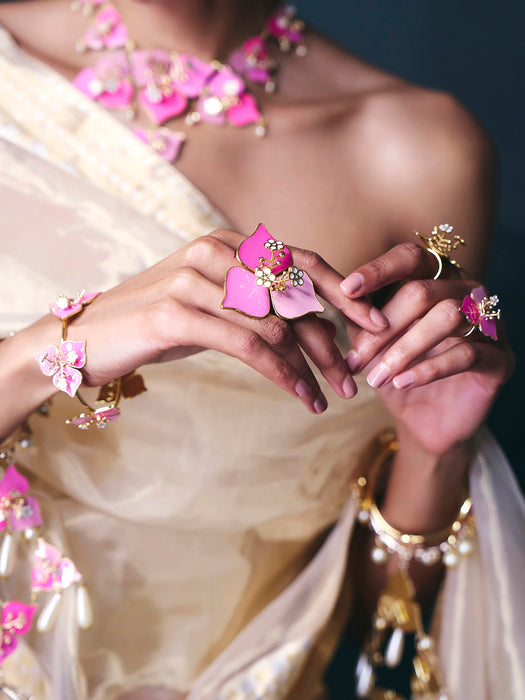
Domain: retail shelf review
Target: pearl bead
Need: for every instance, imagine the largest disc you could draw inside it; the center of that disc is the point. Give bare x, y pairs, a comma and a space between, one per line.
465, 548
379, 556
450, 558
7, 555
48, 616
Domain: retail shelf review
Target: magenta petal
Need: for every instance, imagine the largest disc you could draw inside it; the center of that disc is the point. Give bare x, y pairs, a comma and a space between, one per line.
245, 111
295, 302
160, 112
99, 417
22, 613
194, 74
13, 482
471, 310
252, 249
8, 646
488, 327
226, 83
120, 99
478, 294
74, 352
242, 294
211, 116
46, 552
83, 80
30, 515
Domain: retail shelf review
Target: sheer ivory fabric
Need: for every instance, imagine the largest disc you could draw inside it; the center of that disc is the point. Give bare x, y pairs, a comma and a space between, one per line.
212, 521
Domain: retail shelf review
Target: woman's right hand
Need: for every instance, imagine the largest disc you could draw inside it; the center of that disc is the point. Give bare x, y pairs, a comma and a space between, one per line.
172, 310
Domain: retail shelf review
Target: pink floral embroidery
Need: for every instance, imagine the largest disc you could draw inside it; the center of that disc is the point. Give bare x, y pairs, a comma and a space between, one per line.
52, 571
268, 279
17, 512
16, 621
64, 364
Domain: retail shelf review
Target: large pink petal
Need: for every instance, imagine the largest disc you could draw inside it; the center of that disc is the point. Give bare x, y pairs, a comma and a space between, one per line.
13, 481
74, 352
22, 613
160, 112
471, 310
488, 327
295, 302
121, 99
252, 248
194, 75
68, 380
245, 111
41, 578
242, 294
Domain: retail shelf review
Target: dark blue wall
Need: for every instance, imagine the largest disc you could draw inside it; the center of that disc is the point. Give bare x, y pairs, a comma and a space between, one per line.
475, 50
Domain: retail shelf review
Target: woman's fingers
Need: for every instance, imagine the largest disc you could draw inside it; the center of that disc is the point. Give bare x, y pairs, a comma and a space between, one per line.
402, 262
409, 304
441, 322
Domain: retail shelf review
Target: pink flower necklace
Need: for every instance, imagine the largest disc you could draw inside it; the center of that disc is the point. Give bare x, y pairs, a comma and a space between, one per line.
172, 84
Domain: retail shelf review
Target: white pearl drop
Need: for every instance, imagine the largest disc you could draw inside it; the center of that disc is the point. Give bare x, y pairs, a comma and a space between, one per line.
365, 680
394, 648
450, 558
84, 608
379, 556
465, 548
7, 555
48, 616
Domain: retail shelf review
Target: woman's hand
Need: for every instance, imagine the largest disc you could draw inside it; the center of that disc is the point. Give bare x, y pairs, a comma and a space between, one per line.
173, 309
438, 386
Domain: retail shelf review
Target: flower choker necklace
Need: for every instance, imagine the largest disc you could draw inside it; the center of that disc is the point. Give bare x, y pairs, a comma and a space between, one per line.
168, 84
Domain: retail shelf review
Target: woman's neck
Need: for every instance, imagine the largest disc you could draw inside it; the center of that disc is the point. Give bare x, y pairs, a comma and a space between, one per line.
205, 28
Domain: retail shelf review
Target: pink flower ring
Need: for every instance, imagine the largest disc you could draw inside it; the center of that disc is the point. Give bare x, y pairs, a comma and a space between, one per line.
481, 312
63, 364
268, 281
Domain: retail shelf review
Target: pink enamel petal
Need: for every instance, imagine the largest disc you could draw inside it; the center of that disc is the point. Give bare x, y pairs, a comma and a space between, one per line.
114, 39
121, 99
13, 482
488, 327
19, 612
160, 112
83, 80
242, 294
8, 646
245, 111
295, 302
237, 61
195, 72
142, 62
67, 573
100, 417
41, 579
46, 552
258, 75
31, 515
226, 83
74, 352
66, 312
172, 142
252, 249
478, 294
48, 360
68, 380
471, 310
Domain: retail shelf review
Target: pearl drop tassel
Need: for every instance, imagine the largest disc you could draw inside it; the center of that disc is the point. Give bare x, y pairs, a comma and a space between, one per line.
365, 680
84, 608
48, 616
7, 555
394, 648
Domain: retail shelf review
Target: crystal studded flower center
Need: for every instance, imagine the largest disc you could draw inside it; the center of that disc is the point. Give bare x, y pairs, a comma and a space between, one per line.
265, 277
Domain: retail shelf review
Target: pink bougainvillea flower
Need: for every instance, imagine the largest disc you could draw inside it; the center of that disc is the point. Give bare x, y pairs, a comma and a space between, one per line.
253, 60
109, 83
64, 307
268, 279
51, 570
16, 621
64, 364
482, 311
107, 31
165, 142
284, 25
17, 512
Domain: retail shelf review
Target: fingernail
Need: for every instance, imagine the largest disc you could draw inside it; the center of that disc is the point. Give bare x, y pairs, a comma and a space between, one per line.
320, 404
302, 389
348, 386
353, 361
378, 375
353, 283
378, 318
403, 381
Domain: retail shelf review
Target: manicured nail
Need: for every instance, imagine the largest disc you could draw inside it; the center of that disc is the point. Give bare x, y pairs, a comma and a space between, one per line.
302, 389
353, 361
403, 381
352, 284
378, 375
348, 386
378, 318
320, 404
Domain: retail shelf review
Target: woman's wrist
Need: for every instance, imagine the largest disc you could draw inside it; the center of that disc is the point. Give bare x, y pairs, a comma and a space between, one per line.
23, 387
424, 490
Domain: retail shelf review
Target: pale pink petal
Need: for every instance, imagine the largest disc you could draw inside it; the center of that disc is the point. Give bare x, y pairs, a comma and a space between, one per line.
49, 360
99, 418
193, 73
226, 83
41, 578
245, 111
171, 142
67, 573
243, 294
142, 62
47, 552
67, 380
488, 327
210, 110
74, 352
252, 249
169, 107
295, 302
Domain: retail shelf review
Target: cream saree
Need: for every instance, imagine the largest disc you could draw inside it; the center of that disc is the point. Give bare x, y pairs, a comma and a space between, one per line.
212, 521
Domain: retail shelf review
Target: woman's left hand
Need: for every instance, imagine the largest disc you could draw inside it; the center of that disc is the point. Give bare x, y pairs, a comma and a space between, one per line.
438, 385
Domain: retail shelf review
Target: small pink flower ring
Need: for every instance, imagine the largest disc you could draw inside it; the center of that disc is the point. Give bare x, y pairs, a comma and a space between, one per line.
268, 281
481, 312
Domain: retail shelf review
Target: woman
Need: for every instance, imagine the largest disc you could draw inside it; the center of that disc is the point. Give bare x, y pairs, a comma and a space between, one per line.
210, 570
